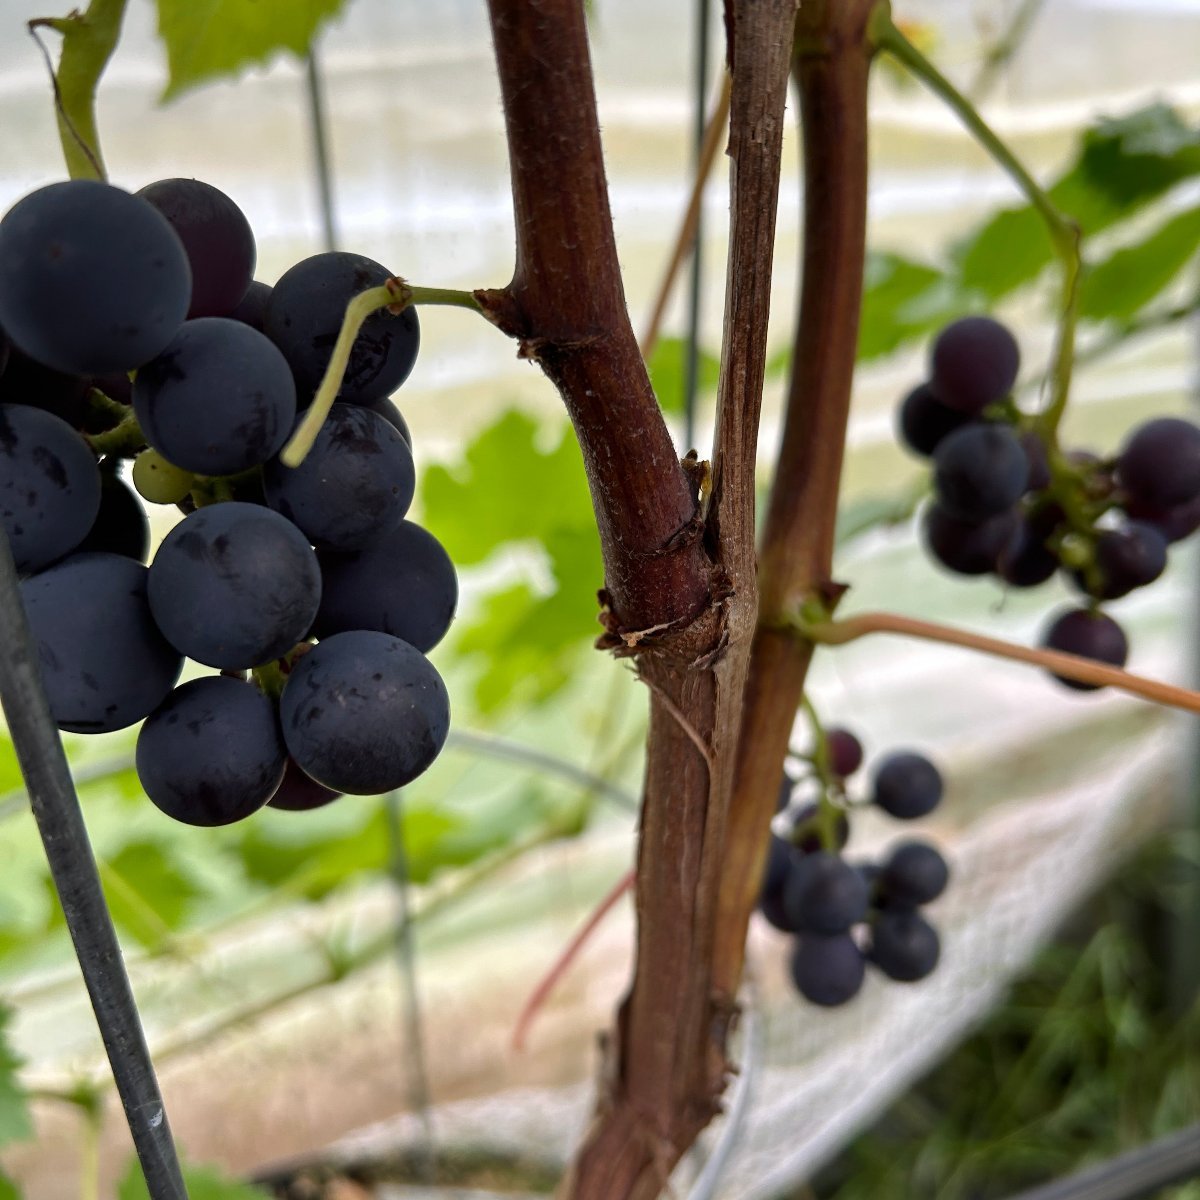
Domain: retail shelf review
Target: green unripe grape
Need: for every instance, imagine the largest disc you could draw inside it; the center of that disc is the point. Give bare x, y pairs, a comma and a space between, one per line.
159, 481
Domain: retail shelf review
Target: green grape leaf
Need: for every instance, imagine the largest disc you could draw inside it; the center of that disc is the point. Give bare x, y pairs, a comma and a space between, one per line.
210, 39
149, 894
15, 1122
203, 1183
8, 1189
902, 299
1134, 275
668, 372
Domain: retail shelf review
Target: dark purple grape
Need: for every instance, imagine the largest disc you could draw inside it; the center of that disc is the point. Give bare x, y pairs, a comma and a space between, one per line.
402, 583
781, 860
49, 486
92, 279
355, 484
298, 793
1090, 635
907, 785
825, 894
1038, 459
968, 547
974, 363
28, 382
234, 585
252, 308
218, 400
914, 873
364, 713
924, 421
827, 970
980, 471
1126, 558
5, 348
211, 753
1159, 464
1027, 561
904, 946
120, 526
217, 238
105, 665
392, 415
785, 792
1175, 523
845, 752
305, 314
806, 835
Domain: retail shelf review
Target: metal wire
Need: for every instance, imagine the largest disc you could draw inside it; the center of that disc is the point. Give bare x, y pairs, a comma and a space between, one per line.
318, 131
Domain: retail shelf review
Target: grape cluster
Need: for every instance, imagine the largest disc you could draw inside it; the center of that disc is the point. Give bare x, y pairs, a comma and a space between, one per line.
131, 327
846, 915
1009, 501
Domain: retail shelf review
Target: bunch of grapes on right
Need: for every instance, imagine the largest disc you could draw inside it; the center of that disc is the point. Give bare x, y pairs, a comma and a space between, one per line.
1010, 501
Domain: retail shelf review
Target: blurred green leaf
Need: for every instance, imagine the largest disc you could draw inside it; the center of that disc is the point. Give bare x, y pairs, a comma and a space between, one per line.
15, 1123
1133, 276
149, 893
8, 1189
667, 368
902, 299
203, 1183
208, 39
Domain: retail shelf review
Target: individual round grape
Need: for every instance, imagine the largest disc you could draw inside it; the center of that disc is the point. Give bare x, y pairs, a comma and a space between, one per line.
92, 279
806, 830
105, 665
403, 583
298, 793
979, 471
392, 415
825, 894
1027, 561
785, 792
5, 347
28, 382
904, 946
974, 363
234, 585
219, 399
1159, 464
1176, 523
252, 308
844, 751
967, 547
924, 420
159, 481
907, 785
781, 860
1038, 459
305, 314
216, 237
1126, 558
211, 753
364, 713
827, 970
1090, 635
354, 485
914, 873
120, 526
49, 486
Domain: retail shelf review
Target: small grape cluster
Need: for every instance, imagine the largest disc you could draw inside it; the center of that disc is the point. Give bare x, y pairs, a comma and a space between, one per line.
130, 326
810, 890
1009, 501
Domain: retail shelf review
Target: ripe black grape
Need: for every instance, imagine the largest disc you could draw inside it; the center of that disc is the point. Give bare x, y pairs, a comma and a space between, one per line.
252, 308
827, 970
49, 486
355, 484
298, 793
806, 832
120, 526
845, 752
1159, 464
1038, 459
781, 859
904, 946
907, 785
968, 547
979, 471
217, 238
403, 583
219, 399
304, 316
211, 753
28, 382
974, 363
1175, 523
92, 279
825, 894
1090, 635
924, 420
234, 585
914, 873
364, 713
105, 665
392, 415
1027, 561
1128, 557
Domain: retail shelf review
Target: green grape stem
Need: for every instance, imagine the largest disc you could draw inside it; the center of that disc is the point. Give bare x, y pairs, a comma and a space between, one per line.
124, 440
395, 295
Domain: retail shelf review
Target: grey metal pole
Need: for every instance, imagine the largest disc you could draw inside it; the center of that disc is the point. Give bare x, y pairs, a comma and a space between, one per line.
318, 131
